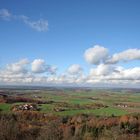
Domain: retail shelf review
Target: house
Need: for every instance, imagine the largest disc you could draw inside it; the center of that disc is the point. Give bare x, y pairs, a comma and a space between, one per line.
25, 107
122, 105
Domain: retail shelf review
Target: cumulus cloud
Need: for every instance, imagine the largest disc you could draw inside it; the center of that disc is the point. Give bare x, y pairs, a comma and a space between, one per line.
99, 54
127, 55
40, 25
39, 66
114, 75
75, 69
130, 74
101, 69
96, 54
15, 72
19, 73
18, 67
65, 79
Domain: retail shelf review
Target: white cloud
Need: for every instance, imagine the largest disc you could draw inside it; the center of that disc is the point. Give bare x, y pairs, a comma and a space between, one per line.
52, 69
15, 72
130, 74
99, 54
38, 72
4, 14
69, 79
114, 75
40, 25
101, 75
127, 55
96, 55
18, 67
39, 66
20, 72
101, 69
75, 69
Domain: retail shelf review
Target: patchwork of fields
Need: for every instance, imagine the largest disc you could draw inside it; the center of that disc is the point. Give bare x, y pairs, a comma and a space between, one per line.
100, 102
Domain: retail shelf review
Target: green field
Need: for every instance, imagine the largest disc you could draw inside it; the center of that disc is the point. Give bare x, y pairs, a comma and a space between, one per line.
100, 112
76, 101
5, 107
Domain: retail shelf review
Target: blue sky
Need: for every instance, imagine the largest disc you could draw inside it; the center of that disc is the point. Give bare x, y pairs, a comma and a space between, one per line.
73, 27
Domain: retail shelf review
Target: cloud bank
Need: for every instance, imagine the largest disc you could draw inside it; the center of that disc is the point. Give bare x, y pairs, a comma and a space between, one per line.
104, 70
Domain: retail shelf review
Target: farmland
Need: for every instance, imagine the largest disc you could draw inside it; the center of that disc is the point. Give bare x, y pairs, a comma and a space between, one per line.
72, 101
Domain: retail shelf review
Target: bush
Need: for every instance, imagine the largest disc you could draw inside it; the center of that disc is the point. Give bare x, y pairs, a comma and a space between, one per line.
8, 129
51, 131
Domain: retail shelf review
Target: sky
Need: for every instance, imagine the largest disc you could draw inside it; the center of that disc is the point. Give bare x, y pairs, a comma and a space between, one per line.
70, 42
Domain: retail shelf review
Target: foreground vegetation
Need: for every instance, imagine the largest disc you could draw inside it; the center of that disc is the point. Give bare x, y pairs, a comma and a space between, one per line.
38, 126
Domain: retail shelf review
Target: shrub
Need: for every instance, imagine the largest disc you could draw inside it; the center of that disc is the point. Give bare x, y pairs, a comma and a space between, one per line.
8, 129
51, 131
